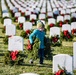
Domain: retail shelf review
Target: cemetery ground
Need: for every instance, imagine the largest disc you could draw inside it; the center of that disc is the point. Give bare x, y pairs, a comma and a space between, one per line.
45, 69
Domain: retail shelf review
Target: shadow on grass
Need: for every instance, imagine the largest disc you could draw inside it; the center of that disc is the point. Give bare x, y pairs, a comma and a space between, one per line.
1, 27
38, 65
1, 54
1, 37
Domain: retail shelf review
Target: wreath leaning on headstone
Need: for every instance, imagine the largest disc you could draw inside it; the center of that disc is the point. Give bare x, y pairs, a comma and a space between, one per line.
66, 35
62, 71
25, 34
55, 40
13, 58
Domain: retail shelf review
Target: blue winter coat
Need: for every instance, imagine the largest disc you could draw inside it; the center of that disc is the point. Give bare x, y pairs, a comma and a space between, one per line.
38, 34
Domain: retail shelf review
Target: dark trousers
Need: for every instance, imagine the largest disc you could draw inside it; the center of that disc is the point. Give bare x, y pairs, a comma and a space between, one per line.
41, 55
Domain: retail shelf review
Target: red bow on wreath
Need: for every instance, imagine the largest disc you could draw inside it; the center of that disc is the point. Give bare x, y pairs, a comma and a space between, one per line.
33, 21
51, 25
60, 72
55, 39
60, 23
21, 25
29, 46
65, 32
13, 55
73, 31
27, 31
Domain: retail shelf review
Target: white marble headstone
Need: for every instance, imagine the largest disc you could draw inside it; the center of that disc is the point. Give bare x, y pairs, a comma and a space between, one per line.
59, 18
41, 16
43, 10
74, 55
50, 14
73, 10
15, 43
63, 60
27, 25
21, 19
23, 10
66, 27
10, 30
51, 20
73, 25
66, 17
68, 11
73, 14
17, 14
5, 15
54, 31
32, 16
28, 13
63, 11
7, 21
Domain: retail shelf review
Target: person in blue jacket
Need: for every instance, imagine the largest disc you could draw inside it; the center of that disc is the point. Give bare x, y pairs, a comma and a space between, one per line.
40, 34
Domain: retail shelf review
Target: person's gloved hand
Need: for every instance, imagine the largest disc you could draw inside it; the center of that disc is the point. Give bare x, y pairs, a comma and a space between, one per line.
29, 46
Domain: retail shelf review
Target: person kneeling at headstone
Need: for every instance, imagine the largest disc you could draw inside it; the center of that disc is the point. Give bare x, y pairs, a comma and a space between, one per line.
40, 34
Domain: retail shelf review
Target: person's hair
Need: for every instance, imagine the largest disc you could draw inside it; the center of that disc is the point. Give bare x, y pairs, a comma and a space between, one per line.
40, 24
